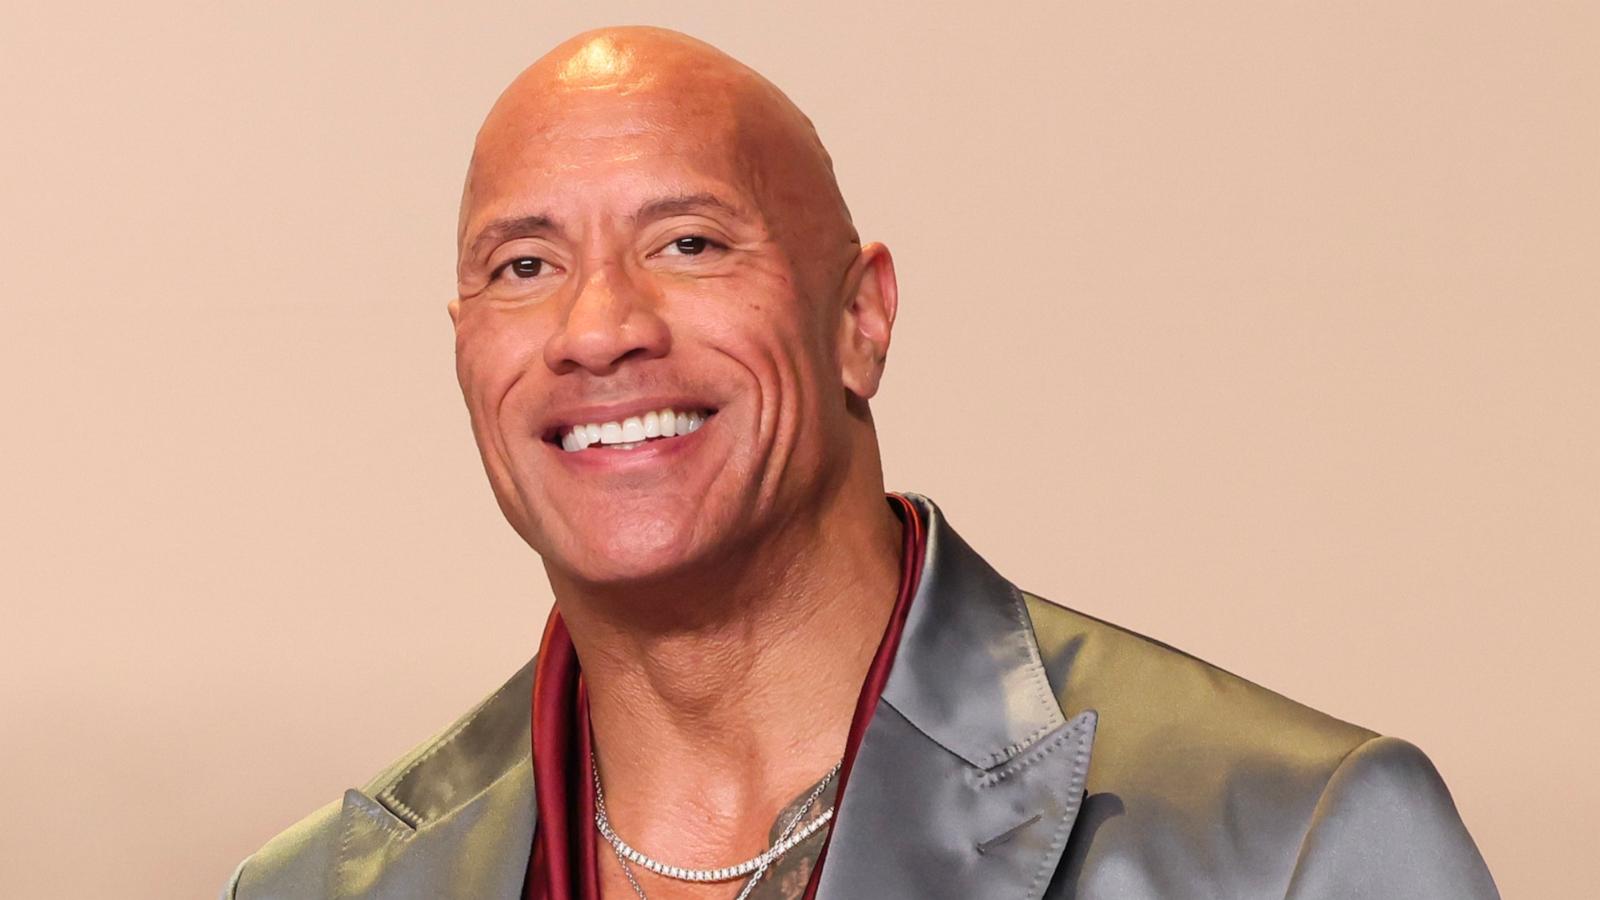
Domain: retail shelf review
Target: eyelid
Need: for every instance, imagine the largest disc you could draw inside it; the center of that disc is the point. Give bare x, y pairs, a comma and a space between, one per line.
518, 247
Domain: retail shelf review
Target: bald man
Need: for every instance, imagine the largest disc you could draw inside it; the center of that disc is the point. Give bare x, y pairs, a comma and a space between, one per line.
765, 677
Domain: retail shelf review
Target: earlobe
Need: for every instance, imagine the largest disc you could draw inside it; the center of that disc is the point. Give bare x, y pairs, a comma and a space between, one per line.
868, 321
454, 306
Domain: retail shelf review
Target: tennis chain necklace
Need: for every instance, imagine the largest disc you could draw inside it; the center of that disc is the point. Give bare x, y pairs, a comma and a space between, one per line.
755, 867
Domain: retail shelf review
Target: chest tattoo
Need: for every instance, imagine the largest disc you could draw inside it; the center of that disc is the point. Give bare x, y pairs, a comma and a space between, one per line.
787, 878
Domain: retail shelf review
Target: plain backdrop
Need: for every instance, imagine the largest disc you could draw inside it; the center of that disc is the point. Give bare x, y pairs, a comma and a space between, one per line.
1267, 329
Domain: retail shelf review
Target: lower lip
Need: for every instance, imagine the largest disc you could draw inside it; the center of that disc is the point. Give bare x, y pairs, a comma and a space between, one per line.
600, 458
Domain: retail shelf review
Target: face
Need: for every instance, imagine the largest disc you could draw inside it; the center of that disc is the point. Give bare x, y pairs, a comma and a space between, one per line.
648, 341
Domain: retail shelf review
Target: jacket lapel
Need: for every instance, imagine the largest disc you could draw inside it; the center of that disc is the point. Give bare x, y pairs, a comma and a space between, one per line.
969, 778
456, 821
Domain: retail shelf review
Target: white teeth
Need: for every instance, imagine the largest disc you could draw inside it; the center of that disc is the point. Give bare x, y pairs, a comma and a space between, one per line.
634, 431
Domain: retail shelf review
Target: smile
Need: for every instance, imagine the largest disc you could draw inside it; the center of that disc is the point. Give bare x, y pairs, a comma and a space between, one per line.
633, 431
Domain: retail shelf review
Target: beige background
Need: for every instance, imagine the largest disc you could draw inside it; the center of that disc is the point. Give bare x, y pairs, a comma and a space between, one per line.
1265, 328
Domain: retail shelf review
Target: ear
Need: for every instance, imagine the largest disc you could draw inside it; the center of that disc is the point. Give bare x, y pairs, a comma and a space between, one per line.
868, 320
455, 310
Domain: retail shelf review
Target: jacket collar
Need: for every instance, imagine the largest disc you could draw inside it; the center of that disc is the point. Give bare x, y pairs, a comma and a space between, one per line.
968, 672
966, 784
969, 778
454, 819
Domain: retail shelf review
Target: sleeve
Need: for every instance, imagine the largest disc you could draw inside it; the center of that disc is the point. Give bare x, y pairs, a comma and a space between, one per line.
230, 892
1385, 827
294, 865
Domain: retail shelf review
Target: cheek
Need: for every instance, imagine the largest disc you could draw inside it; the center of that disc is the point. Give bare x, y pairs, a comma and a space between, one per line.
784, 336
758, 317
493, 348
773, 334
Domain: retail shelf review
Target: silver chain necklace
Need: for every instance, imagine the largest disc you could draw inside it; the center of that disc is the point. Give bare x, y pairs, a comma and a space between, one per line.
755, 867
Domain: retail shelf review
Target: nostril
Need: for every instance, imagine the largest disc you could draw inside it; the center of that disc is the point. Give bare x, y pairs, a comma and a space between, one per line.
634, 354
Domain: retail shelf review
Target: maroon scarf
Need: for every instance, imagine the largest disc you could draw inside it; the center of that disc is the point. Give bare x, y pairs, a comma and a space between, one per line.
564, 864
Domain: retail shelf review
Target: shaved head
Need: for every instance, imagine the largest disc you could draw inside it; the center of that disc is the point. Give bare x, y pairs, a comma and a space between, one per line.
711, 101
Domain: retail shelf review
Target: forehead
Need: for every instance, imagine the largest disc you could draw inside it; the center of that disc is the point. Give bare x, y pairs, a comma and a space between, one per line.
598, 146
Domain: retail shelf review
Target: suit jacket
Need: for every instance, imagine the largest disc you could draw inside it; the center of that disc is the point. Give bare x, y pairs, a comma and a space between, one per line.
1021, 750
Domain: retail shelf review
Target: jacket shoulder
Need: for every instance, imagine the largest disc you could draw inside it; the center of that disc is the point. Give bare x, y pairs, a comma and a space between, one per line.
1153, 695
1192, 762
1386, 826
1182, 742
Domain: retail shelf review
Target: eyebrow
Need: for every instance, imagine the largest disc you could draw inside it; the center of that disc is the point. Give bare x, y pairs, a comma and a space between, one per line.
523, 226
502, 229
684, 203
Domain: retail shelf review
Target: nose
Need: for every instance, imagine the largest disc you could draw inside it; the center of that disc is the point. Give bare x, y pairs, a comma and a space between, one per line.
611, 319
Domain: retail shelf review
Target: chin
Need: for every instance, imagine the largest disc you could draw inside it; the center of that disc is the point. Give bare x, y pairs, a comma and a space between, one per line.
639, 551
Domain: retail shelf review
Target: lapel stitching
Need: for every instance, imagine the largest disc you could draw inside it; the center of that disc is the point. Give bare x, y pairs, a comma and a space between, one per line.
368, 830
1081, 723
1080, 737
1034, 666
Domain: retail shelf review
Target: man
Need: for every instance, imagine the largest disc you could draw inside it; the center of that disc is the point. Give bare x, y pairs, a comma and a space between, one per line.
761, 679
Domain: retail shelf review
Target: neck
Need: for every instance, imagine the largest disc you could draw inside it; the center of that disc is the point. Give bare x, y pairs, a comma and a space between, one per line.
727, 715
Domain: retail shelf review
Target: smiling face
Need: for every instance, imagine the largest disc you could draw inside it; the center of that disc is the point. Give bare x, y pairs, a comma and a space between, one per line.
659, 328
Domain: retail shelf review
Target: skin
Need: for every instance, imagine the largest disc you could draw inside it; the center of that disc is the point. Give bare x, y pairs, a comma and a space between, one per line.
647, 223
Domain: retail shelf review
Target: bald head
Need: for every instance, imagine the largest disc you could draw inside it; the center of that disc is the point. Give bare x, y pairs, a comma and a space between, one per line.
641, 90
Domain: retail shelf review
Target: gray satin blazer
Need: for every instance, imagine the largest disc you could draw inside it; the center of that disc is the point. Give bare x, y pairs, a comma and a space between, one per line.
1021, 751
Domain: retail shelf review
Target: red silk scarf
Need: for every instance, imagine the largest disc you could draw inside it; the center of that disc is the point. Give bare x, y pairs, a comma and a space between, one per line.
564, 863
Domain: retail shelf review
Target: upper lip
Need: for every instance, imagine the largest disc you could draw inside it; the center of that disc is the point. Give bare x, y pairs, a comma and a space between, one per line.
558, 421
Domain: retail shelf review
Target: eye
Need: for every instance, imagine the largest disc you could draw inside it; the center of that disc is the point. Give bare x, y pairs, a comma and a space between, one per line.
523, 267
689, 245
